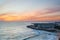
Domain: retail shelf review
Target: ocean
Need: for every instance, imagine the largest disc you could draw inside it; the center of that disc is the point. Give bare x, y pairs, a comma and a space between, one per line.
19, 31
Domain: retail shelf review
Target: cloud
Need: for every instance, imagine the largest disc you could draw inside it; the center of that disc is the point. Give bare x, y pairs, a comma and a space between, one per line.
51, 14
48, 11
53, 10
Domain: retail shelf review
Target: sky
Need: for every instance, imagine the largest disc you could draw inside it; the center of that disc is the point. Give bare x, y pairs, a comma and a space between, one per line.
29, 10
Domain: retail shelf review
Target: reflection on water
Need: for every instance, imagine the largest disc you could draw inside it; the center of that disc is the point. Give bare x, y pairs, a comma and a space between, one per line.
18, 31
15, 32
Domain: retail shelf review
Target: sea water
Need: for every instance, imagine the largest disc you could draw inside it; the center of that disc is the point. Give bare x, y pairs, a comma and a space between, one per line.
19, 31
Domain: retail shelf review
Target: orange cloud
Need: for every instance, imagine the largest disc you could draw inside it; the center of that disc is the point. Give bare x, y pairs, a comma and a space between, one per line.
40, 15
14, 17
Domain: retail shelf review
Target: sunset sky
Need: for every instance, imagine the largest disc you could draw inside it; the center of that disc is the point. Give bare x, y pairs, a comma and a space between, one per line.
29, 10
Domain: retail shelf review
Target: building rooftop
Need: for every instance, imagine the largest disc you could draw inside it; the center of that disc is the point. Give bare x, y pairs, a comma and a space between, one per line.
43, 23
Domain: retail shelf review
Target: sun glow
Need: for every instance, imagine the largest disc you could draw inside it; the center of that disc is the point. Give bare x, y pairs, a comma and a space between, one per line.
37, 15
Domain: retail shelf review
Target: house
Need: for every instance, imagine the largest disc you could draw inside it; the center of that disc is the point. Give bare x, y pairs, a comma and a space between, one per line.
44, 25
57, 25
